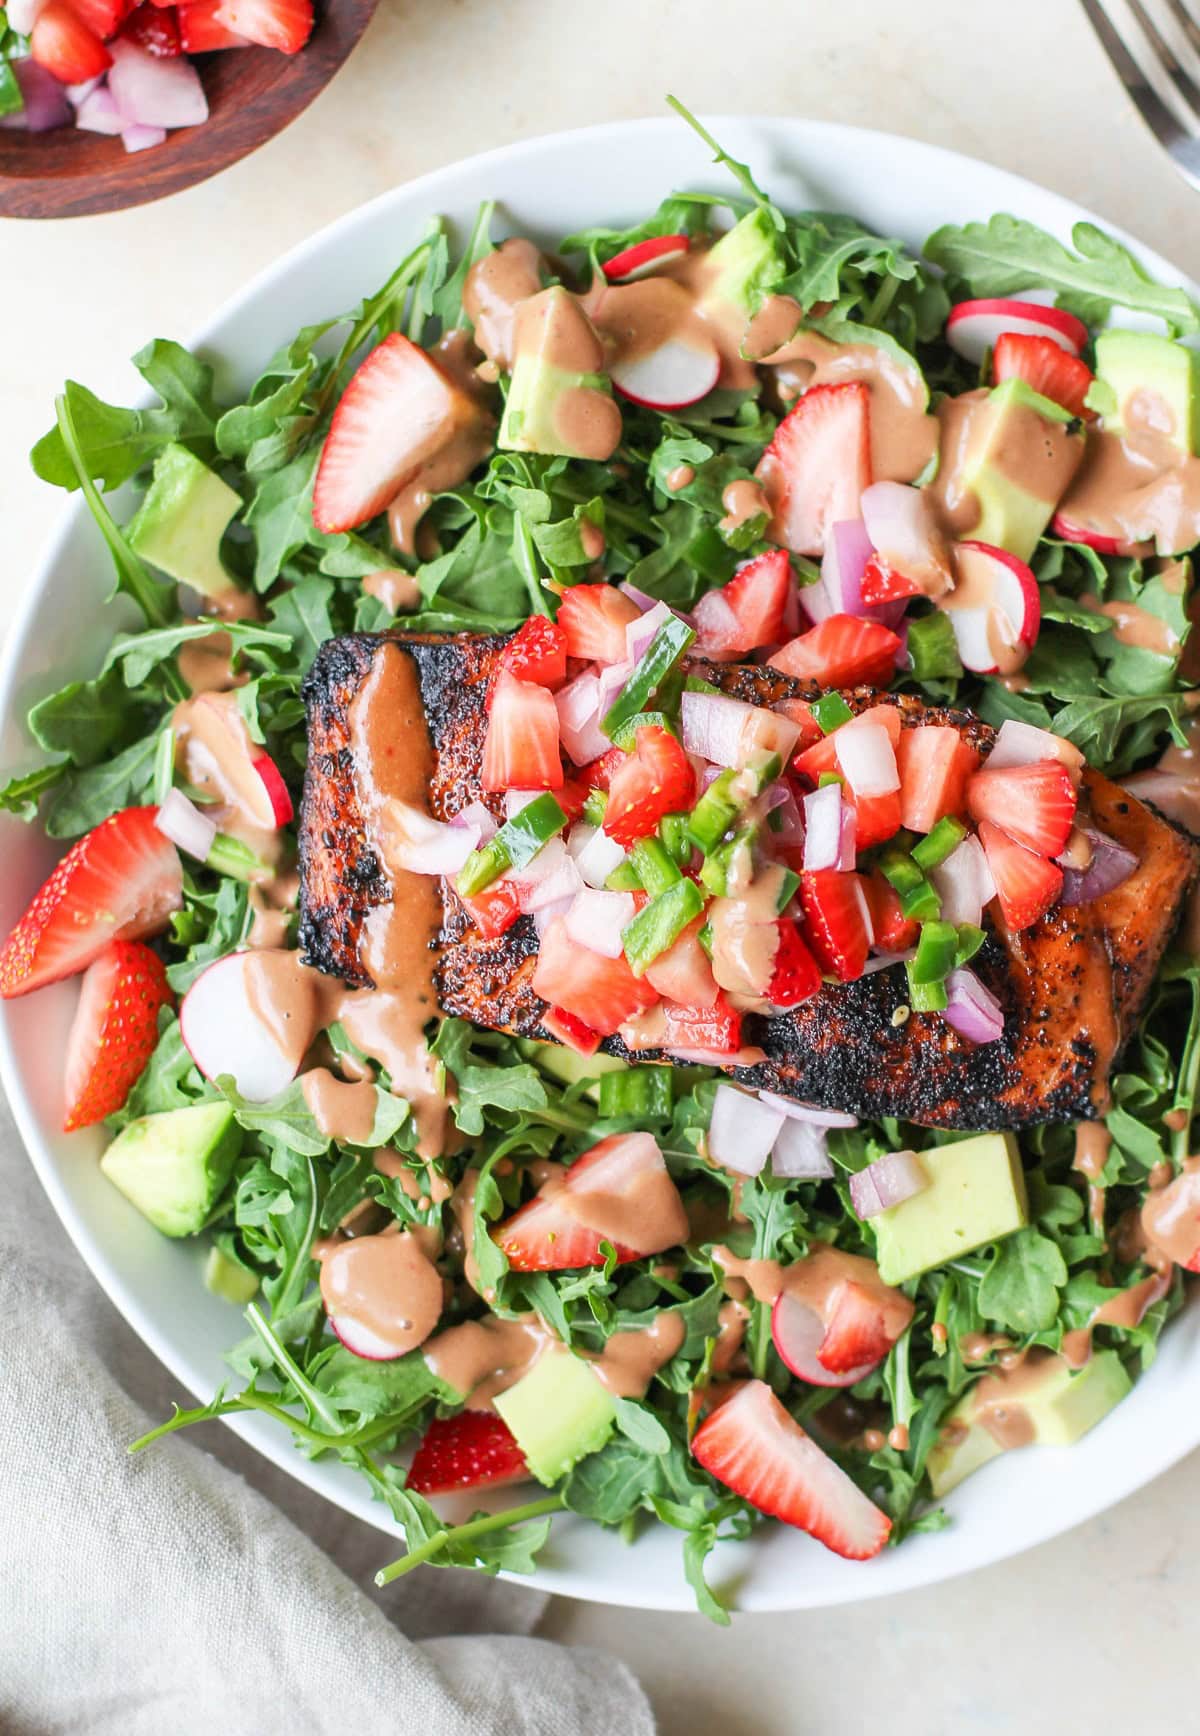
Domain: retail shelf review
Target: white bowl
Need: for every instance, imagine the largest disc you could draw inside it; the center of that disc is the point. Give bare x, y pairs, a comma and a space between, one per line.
547, 187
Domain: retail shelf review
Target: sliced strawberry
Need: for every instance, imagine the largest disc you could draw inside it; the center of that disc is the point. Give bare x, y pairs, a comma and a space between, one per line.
114, 1030
1035, 804
835, 918
599, 775
120, 882
934, 764
756, 1449
102, 17
551, 1232
473, 1450
537, 652
856, 1330
520, 750
398, 409
716, 1029
800, 711
882, 583
841, 651
683, 973
877, 818
156, 29
1045, 366
747, 612
893, 931
200, 32
796, 975
62, 43
656, 779
495, 909
815, 469
1026, 885
594, 618
602, 992
570, 1031
282, 24
571, 795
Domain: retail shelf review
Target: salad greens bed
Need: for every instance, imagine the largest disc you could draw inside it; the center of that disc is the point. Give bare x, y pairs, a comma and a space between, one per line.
504, 542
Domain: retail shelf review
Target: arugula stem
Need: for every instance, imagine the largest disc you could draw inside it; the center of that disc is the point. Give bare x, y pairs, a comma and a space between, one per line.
760, 1339
526, 562
1187, 1078
255, 1401
739, 171
406, 272
875, 313
316, 1401
473, 1528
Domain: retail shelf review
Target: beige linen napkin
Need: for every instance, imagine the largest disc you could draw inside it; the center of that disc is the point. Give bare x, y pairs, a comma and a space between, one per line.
162, 1593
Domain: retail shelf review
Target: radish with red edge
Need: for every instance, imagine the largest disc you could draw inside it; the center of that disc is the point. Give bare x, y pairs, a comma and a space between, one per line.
382, 1295
677, 373
1069, 531
225, 1035
996, 596
974, 326
644, 257
798, 1333
282, 810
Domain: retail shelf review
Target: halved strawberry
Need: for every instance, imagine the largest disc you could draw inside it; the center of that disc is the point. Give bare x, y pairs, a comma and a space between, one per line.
856, 1330
1044, 365
120, 882
537, 652
282, 24
818, 464
551, 1234
841, 651
495, 909
755, 1448
594, 619
398, 409
877, 818
1026, 884
114, 1030
893, 931
835, 920
473, 1450
882, 583
200, 32
1035, 804
796, 974
683, 973
602, 992
156, 29
716, 1029
62, 43
102, 17
748, 611
520, 749
656, 779
935, 763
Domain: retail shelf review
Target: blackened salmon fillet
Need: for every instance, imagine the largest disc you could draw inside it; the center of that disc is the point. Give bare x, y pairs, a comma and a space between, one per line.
1072, 987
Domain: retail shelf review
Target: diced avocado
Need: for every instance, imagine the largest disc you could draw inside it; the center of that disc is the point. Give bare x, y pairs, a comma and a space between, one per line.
744, 263
1059, 1406
180, 523
226, 1279
559, 1412
568, 1067
1017, 470
1155, 384
173, 1166
976, 1194
559, 398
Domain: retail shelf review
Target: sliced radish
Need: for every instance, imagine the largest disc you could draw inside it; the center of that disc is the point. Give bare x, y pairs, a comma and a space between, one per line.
1069, 531
974, 326
277, 791
224, 1033
644, 257
1005, 598
799, 1332
677, 373
360, 1339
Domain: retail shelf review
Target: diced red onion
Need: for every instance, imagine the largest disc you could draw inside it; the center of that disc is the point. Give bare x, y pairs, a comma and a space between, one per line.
152, 92
139, 138
595, 920
783, 802
868, 759
847, 551
515, 800
639, 633
887, 1182
716, 626
901, 525
816, 603
1023, 744
1111, 866
801, 1153
595, 853
183, 823
742, 1130
964, 882
98, 113
885, 960
578, 705
972, 1009
44, 100
547, 914
712, 726
643, 599
475, 814
427, 846
823, 828
848, 843
807, 1111
77, 92
23, 15
613, 678
551, 875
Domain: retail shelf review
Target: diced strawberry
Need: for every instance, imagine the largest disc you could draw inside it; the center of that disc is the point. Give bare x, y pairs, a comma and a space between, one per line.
1026, 884
495, 909
201, 33
841, 651
821, 756
893, 931
62, 43
753, 1446
747, 612
551, 1233
570, 1031
603, 992
856, 1330
656, 779
599, 775
1045, 366
473, 1450
818, 464
537, 652
114, 1030
282, 24
120, 882
800, 711
884, 584
935, 763
877, 818
683, 973
102, 17
520, 750
154, 28
716, 1028
1035, 804
571, 794
835, 918
594, 619
796, 974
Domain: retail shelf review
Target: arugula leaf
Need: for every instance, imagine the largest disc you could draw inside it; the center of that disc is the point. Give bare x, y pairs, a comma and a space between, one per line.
1020, 1287
21, 795
80, 799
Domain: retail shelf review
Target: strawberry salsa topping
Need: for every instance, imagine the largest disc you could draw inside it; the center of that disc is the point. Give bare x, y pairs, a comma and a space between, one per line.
641, 1286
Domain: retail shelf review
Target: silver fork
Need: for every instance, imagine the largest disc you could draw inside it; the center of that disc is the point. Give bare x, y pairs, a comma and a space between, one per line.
1149, 63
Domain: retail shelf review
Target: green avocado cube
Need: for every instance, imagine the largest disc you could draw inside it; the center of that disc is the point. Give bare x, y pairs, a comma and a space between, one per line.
173, 1166
559, 1413
559, 397
225, 1278
976, 1194
179, 525
1154, 383
1021, 458
744, 263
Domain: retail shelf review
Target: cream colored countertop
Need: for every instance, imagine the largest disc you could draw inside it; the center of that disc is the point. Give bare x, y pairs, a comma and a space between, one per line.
1093, 1631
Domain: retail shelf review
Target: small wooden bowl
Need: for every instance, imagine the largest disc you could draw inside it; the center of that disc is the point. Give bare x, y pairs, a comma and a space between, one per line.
253, 93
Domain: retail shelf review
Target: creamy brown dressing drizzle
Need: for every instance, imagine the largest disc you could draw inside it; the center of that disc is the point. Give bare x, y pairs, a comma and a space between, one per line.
743, 500
205, 664
1133, 625
342, 1109
398, 592
487, 1356
495, 287
814, 1280
745, 936
214, 754
904, 436
386, 1284
1170, 1217
682, 476
1139, 488
457, 433
1035, 455
643, 1211
630, 1360
1126, 1309
1093, 1142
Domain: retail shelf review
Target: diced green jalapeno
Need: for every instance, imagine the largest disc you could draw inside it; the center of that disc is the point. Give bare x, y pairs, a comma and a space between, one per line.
787, 890
659, 924
515, 844
937, 950
655, 868
945, 838
970, 939
650, 673
830, 712
626, 736
642, 1093
714, 813
624, 878
932, 649
594, 807
672, 829
926, 997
